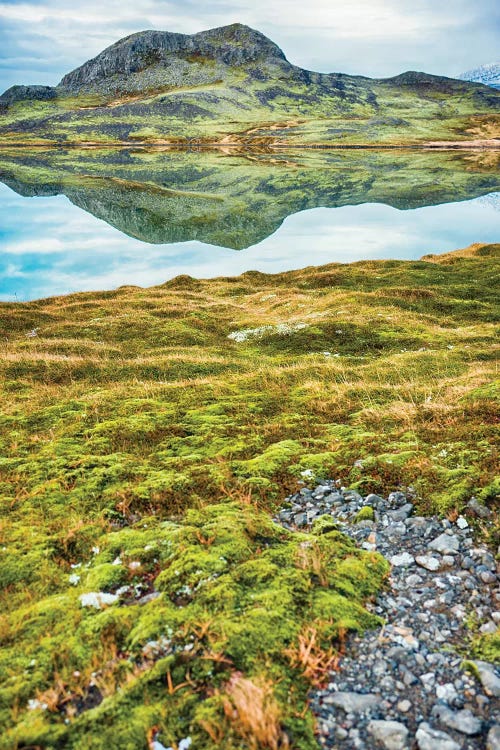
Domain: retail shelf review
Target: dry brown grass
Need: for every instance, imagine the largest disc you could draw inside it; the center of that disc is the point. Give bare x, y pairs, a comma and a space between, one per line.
310, 557
254, 713
315, 662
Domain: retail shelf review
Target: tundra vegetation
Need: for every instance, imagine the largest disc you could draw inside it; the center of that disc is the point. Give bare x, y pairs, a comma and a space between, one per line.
146, 437
233, 85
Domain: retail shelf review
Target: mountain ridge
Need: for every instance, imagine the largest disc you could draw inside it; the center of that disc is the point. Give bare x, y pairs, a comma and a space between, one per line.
233, 84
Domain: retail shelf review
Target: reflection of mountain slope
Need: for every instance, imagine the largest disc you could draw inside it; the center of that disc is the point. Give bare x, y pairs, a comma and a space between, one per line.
238, 201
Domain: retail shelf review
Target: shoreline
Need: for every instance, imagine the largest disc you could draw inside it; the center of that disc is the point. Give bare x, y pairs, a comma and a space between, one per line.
476, 145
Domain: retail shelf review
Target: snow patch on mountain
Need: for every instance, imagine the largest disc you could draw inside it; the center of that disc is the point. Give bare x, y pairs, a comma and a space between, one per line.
487, 74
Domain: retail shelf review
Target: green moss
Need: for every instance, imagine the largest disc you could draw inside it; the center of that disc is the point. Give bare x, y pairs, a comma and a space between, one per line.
323, 525
236, 592
365, 514
487, 648
117, 450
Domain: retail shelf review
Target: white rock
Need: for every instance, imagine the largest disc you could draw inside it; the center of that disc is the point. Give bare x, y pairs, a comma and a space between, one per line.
493, 741
462, 721
97, 599
433, 739
488, 627
404, 706
447, 692
428, 562
447, 544
462, 523
157, 745
392, 735
404, 559
353, 703
448, 561
488, 678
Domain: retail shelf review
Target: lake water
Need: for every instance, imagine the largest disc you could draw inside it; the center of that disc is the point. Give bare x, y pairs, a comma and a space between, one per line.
78, 238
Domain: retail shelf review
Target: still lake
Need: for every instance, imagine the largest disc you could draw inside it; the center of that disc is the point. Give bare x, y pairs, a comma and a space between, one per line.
64, 234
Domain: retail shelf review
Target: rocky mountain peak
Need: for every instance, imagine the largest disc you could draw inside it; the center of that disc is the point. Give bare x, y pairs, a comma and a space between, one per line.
232, 45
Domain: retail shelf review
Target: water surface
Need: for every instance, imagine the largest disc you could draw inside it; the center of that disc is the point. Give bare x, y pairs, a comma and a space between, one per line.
99, 223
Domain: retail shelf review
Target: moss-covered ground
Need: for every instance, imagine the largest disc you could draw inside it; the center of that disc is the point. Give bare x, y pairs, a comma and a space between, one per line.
145, 437
240, 108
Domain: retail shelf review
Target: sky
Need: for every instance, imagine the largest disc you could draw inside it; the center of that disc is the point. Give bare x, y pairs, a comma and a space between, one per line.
41, 40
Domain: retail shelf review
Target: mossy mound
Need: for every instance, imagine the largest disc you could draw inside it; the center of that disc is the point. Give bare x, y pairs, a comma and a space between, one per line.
234, 594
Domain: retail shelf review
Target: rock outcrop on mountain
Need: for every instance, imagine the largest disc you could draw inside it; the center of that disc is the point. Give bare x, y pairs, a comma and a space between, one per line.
171, 56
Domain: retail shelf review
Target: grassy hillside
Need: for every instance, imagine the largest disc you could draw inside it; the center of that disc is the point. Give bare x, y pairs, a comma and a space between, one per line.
233, 85
236, 200
146, 434
234, 113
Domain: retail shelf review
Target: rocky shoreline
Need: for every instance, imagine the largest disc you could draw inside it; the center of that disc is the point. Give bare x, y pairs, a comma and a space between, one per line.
409, 685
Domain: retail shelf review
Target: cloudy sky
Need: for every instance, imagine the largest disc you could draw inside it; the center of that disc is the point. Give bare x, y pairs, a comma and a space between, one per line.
43, 39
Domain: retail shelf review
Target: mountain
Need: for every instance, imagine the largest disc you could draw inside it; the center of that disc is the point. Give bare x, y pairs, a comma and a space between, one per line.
487, 74
234, 85
235, 201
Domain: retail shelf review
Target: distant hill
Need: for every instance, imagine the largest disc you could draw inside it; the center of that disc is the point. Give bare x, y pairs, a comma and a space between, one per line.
234, 85
487, 74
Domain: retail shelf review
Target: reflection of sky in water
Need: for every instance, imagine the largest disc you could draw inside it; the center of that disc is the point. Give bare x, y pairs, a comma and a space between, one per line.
48, 246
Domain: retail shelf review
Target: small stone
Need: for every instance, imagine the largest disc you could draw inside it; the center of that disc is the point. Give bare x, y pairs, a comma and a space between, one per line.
404, 559
402, 513
433, 739
300, 519
448, 561
374, 500
353, 703
477, 509
493, 741
428, 562
488, 561
414, 580
488, 628
392, 735
447, 692
488, 678
487, 576
447, 544
461, 721
428, 678
404, 706
462, 523
397, 498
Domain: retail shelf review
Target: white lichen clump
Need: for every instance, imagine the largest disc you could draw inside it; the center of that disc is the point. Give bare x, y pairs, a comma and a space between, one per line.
281, 329
97, 599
